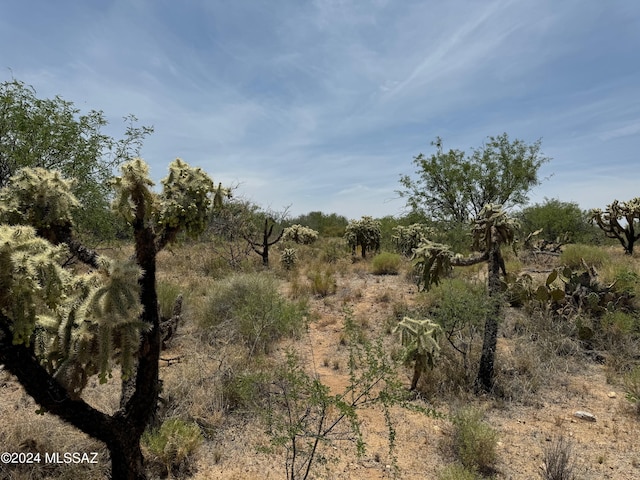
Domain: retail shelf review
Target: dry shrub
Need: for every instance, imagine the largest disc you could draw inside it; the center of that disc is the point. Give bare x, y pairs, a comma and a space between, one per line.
557, 461
473, 441
42, 434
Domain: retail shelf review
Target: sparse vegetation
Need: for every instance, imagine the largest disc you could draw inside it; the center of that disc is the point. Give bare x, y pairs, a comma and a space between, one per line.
386, 263
248, 309
474, 441
558, 463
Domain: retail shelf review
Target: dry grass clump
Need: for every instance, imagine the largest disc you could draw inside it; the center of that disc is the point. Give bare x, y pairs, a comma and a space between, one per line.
45, 434
473, 441
558, 463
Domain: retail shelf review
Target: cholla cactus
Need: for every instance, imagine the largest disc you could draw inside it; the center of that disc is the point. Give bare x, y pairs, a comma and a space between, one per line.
421, 340
492, 226
627, 232
364, 233
58, 327
407, 239
289, 257
299, 234
77, 323
431, 261
40, 198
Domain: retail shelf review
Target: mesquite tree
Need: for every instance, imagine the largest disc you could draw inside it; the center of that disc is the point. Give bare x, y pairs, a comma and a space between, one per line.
54, 134
454, 186
364, 233
59, 327
609, 222
492, 228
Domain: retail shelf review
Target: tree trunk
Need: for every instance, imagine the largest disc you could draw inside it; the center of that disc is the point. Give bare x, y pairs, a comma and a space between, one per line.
484, 380
418, 368
127, 462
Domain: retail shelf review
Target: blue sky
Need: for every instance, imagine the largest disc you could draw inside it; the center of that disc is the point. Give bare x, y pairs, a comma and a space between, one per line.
321, 105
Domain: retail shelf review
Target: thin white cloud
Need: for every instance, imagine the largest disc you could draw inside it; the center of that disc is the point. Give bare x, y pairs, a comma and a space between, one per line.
328, 101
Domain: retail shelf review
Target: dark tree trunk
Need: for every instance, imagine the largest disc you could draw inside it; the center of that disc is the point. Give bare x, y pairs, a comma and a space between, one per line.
127, 462
484, 380
418, 368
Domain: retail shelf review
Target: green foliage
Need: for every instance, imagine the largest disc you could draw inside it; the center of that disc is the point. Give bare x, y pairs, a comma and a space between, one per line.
576, 255
556, 220
173, 443
455, 186
327, 225
460, 308
474, 441
167, 294
407, 239
248, 309
620, 220
54, 135
333, 250
289, 258
299, 234
386, 263
363, 233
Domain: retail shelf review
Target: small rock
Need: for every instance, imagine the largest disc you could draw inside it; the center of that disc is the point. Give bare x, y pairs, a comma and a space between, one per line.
612, 395
589, 417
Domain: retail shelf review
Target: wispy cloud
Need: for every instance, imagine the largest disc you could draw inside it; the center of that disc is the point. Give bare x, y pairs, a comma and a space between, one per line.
321, 105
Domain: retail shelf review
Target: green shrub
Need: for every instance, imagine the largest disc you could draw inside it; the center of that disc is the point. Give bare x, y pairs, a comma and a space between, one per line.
167, 294
474, 440
386, 263
334, 250
573, 255
323, 282
173, 444
249, 309
556, 219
